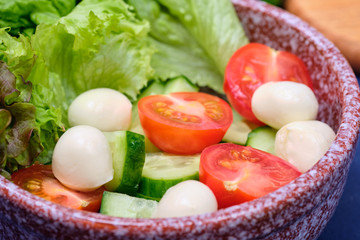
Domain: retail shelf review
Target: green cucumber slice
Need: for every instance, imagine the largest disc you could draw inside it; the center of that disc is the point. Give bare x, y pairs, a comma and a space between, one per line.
237, 132
180, 84
162, 171
153, 89
262, 138
128, 154
149, 146
122, 205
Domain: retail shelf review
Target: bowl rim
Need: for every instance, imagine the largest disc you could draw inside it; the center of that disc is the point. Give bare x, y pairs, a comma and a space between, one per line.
283, 197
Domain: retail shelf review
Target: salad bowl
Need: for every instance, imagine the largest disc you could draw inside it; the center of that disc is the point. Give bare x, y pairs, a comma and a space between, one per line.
299, 210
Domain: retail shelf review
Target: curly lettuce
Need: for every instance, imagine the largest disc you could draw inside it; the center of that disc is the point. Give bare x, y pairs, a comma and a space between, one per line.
22, 16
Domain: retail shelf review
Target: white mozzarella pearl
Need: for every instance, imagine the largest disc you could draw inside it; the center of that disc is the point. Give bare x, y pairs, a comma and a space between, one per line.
185, 199
279, 103
82, 159
303, 143
103, 108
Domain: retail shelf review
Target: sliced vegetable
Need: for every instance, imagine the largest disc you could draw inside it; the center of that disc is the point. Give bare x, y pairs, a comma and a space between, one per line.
162, 171
254, 64
237, 174
40, 180
128, 156
180, 84
122, 205
262, 138
184, 123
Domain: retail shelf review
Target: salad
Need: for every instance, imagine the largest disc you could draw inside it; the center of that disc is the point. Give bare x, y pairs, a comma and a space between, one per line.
105, 106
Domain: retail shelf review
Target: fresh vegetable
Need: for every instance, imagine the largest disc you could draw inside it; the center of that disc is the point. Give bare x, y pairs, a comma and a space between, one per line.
238, 174
103, 108
177, 84
40, 180
238, 130
255, 64
82, 159
185, 199
162, 171
17, 124
103, 44
23, 16
192, 38
122, 205
128, 156
82, 51
180, 84
279, 103
303, 143
184, 123
262, 138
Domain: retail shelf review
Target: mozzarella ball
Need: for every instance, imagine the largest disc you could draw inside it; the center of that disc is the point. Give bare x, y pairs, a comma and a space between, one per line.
103, 108
82, 159
185, 199
303, 143
279, 103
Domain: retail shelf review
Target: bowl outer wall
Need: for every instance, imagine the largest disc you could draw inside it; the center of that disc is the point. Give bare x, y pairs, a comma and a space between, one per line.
299, 210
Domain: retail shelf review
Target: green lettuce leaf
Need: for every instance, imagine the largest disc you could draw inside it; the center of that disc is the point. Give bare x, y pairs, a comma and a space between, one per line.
22, 16
214, 25
99, 44
192, 42
17, 123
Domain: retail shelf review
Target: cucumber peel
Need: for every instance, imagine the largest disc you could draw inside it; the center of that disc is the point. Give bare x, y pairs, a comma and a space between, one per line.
162, 171
122, 205
128, 154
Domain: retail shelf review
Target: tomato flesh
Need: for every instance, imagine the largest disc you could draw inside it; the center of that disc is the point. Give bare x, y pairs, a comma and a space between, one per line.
39, 180
184, 123
255, 64
238, 174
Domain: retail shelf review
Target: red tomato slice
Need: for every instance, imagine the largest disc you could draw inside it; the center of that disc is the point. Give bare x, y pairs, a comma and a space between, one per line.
255, 64
40, 180
184, 123
238, 174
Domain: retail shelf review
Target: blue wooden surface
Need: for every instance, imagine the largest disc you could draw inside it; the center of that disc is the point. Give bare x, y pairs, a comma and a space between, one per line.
345, 223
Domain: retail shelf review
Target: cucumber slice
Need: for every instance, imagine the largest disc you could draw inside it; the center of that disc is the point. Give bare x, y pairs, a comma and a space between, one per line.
262, 138
162, 171
153, 89
149, 146
179, 84
128, 154
237, 132
122, 205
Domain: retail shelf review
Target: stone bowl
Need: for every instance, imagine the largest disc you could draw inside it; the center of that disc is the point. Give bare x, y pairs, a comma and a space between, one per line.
299, 210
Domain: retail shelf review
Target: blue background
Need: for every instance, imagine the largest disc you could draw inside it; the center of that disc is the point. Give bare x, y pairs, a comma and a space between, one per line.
345, 223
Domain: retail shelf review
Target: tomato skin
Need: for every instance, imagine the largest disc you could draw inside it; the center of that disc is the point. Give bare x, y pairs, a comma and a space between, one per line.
172, 135
39, 180
238, 174
255, 64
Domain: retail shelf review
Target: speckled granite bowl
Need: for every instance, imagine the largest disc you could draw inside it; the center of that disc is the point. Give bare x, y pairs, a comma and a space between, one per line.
299, 210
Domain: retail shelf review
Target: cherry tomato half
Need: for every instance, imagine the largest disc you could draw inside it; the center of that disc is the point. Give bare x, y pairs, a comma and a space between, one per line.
39, 180
255, 64
184, 122
238, 174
